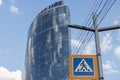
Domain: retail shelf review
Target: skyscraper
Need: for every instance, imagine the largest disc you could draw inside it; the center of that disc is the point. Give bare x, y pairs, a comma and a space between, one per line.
47, 55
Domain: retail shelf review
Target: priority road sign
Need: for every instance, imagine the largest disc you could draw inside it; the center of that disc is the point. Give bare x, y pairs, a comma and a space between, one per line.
83, 67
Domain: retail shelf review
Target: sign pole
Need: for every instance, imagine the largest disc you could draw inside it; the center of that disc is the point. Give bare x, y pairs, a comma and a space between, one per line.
98, 51
96, 31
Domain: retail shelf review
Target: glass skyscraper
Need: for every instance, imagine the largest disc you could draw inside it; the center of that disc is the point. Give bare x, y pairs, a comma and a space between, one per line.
48, 45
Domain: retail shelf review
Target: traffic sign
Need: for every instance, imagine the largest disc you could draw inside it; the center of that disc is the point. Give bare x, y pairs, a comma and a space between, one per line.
83, 67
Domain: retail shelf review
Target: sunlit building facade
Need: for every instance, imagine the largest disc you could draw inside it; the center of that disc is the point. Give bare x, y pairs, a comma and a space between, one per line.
48, 45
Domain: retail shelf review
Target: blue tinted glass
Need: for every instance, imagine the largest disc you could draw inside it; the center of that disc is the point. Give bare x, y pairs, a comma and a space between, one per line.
47, 54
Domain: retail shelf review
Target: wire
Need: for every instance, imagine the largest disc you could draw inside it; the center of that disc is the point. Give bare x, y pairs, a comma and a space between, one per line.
102, 46
82, 32
101, 8
107, 12
99, 23
89, 21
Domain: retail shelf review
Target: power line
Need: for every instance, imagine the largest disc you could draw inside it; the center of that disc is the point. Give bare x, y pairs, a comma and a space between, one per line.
96, 31
101, 20
89, 20
106, 12
87, 23
102, 46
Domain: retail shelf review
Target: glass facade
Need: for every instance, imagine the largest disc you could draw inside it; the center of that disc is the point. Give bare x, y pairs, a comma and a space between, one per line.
48, 45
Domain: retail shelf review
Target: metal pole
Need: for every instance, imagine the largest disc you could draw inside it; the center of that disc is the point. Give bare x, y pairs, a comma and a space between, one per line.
98, 52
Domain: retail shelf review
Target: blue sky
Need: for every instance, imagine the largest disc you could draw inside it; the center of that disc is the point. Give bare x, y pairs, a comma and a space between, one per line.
16, 17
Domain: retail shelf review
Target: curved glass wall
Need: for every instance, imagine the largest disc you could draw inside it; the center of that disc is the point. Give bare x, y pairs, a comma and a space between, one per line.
47, 56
